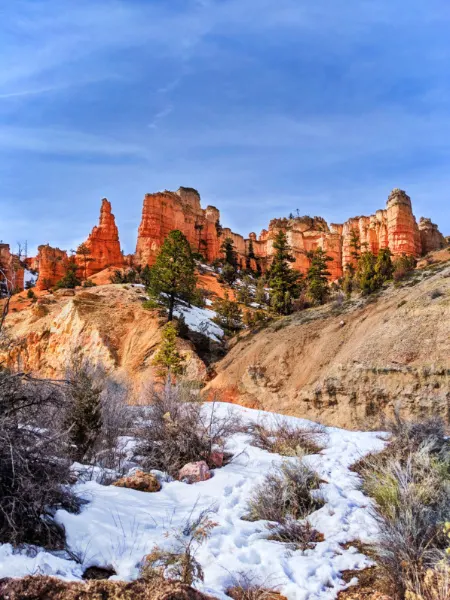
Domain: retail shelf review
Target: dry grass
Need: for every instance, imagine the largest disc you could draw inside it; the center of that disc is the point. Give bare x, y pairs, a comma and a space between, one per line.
287, 439
245, 586
286, 492
51, 588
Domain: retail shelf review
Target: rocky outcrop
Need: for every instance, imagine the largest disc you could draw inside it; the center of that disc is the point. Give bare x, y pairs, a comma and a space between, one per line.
103, 244
52, 264
430, 237
12, 271
165, 211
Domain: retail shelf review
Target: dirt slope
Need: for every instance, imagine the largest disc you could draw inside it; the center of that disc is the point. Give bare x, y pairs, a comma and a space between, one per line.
106, 324
343, 364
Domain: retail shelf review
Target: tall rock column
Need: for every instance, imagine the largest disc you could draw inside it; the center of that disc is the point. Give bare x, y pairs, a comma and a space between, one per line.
430, 236
12, 269
403, 232
103, 243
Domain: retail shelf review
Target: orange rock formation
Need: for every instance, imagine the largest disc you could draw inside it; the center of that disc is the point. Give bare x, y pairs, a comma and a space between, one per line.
103, 243
52, 263
394, 227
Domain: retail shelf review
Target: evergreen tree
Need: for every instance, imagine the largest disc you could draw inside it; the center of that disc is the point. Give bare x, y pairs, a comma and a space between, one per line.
84, 252
230, 265
244, 292
70, 279
283, 281
317, 275
355, 246
229, 315
250, 255
261, 294
384, 267
83, 417
146, 276
366, 275
168, 360
173, 273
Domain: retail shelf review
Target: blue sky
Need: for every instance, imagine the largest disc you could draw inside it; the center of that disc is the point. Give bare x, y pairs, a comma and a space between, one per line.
264, 106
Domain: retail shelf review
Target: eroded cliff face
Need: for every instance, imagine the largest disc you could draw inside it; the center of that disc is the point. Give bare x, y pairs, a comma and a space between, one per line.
51, 264
430, 236
103, 243
346, 365
107, 326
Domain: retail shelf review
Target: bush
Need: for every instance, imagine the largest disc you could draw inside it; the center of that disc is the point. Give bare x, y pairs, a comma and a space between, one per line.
285, 493
31, 295
83, 414
288, 440
245, 586
151, 304
410, 483
89, 283
403, 267
167, 359
298, 535
34, 468
229, 315
176, 432
179, 563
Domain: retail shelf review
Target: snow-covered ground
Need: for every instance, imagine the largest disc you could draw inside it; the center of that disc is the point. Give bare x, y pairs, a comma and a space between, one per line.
200, 320
119, 526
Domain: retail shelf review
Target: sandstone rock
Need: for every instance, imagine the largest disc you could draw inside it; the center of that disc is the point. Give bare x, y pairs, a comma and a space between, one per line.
430, 236
52, 263
103, 243
64, 292
195, 472
140, 481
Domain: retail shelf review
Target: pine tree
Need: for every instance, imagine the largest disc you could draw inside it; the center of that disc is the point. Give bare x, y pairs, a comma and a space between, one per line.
355, 246
70, 279
365, 273
283, 281
317, 275
261, 294
84, 412
84, 251
168, 360
229, 269
244, 292
250, 255
384, 267
146, 275
229, 315
173, 273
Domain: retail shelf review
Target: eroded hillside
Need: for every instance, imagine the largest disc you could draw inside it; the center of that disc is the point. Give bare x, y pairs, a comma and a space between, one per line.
344, 363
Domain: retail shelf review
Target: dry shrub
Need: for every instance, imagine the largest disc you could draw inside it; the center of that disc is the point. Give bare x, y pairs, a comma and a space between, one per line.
51, 588
286, 492
179, 562
435, 585
246, 586
298, 535
34, 468
287, 439
410, 484
176, 432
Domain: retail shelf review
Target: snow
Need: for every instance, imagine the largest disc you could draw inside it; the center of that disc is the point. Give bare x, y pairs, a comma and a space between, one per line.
119, 526
200, 320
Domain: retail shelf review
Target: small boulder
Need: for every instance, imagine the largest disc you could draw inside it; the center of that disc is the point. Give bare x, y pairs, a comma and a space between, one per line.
64, 292
194, 472
216, 459
140, 481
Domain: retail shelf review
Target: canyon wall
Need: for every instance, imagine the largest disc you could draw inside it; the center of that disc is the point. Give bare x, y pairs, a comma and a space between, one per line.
394, 227
103, 244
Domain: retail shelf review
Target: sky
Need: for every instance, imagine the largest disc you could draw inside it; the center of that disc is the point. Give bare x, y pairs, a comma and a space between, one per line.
263, 106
